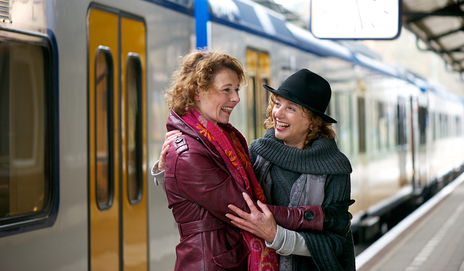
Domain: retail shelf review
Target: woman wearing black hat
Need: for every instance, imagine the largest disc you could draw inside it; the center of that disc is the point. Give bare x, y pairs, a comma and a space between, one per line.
297, 163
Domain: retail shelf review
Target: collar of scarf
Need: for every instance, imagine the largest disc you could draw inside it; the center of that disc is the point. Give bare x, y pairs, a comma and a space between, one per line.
226, 141
323, 157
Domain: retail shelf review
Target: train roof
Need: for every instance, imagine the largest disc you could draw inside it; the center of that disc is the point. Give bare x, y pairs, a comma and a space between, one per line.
257, 19
440, 27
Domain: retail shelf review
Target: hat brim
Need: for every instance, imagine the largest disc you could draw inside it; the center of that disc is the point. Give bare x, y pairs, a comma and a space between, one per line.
289, 96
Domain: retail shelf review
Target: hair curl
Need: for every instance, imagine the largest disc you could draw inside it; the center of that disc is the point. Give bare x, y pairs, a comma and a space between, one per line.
195, 75
318, 127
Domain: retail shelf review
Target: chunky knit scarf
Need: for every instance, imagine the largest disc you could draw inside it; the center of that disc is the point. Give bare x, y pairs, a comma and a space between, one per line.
226, 140
323, 157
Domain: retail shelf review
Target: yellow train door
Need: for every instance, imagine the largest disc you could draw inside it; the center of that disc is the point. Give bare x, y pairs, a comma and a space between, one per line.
258, 65
118, 231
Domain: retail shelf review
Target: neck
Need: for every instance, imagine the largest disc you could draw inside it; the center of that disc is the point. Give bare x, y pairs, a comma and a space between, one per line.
299, 145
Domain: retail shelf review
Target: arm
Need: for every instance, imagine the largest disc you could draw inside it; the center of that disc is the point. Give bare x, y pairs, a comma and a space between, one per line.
168, 139
204, 182
157, 171
157, 174
287, 242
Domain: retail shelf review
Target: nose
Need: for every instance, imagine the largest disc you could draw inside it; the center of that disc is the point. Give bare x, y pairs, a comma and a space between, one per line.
278, 113
235, 97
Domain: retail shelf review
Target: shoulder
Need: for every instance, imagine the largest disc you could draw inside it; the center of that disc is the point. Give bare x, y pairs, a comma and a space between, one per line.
328, 152
187, 154
188, 144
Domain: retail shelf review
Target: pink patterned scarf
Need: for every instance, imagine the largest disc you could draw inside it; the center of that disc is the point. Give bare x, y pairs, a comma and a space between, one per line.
235, 156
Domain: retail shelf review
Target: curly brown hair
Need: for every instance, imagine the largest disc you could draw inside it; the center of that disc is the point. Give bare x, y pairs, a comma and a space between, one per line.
317, 129
195, 75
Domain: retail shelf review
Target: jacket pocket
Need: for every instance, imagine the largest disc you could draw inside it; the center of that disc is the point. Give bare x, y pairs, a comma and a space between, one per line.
234, 259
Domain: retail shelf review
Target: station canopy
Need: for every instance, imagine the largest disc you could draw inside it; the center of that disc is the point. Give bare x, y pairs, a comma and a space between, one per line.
439, 27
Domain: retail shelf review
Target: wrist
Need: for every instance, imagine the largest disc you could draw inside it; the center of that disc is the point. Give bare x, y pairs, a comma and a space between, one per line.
272, 235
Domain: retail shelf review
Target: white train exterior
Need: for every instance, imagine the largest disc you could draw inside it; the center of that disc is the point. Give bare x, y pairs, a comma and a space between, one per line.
82, 119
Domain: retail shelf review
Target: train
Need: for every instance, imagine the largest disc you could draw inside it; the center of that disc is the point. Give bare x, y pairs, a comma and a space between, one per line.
82, 120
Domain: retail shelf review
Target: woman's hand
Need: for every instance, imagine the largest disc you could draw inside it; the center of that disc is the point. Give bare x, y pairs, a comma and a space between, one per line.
259, 223
169, 138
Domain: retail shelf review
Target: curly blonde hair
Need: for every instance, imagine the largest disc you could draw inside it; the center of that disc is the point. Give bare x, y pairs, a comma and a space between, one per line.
195, 75
317, 129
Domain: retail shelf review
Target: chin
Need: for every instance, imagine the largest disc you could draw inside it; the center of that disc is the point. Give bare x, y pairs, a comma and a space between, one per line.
278, 135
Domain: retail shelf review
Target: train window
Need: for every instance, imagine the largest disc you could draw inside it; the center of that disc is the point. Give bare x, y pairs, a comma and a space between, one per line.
134, 129
362, 124
458, 126
382, 126
401, 131
104, 128
185, 3
422, 124
26, 158
341, 109
433, 122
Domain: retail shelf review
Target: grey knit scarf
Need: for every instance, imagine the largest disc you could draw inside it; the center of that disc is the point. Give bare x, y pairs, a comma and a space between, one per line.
323, 157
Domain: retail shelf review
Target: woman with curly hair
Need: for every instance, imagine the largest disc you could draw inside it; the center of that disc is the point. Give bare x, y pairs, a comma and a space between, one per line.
207, 168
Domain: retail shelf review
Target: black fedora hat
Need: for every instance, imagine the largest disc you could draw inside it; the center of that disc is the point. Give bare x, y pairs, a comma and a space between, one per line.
306, 89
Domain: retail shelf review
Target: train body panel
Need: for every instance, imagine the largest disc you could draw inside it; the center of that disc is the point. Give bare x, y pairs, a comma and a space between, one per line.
403, 139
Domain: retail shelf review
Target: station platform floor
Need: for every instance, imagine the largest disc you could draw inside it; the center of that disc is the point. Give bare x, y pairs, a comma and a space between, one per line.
431, 238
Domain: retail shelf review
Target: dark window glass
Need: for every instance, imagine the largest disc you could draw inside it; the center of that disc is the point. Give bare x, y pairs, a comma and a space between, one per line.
134, 130
25, 181
104, 128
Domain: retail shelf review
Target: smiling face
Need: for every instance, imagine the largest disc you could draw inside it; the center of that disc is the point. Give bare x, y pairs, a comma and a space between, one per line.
216, 104
291, 122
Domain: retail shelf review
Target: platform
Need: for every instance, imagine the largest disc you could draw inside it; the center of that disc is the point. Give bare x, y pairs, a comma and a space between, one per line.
431, 238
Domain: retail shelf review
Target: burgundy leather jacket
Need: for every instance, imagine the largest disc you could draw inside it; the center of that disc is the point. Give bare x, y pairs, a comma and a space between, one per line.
199, 187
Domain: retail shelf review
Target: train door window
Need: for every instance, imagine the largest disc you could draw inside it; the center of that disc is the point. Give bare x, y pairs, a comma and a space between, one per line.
259, 68
264, 97
134, 129
251, 116
27, 166
103, 127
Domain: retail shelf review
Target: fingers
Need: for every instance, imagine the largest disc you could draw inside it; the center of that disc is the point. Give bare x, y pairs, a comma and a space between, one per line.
265, 209
241, 223
238, 211
169, 138
250, 203
171, 133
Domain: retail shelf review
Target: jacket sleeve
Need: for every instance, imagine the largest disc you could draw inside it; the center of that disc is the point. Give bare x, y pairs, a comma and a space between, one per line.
200, 180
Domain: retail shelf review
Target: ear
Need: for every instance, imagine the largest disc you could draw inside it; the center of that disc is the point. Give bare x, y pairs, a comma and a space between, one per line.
196, 97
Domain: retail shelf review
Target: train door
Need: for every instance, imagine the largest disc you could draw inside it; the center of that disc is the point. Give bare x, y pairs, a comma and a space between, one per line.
117, 158
258, 65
